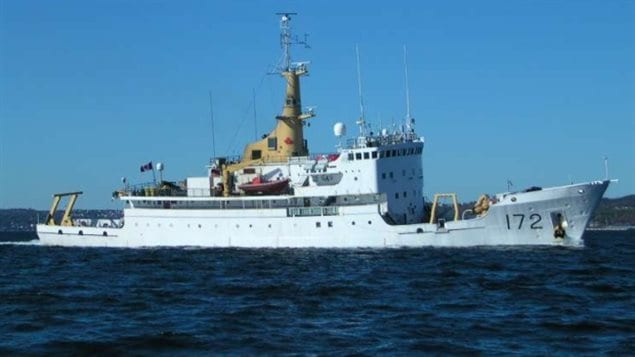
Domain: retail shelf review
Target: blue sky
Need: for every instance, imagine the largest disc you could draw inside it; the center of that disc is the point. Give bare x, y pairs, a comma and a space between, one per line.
537, 92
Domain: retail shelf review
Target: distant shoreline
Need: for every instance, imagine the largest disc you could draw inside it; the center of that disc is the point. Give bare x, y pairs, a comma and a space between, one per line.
611, 228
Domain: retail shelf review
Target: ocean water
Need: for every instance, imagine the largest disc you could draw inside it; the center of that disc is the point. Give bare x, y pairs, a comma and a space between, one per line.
527, 300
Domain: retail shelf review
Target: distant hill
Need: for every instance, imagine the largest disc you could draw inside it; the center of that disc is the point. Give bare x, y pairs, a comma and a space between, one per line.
25, 219
611, 212
615, 212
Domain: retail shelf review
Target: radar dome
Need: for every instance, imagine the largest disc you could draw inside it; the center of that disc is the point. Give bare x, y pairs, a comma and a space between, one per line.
339, 129
160, 166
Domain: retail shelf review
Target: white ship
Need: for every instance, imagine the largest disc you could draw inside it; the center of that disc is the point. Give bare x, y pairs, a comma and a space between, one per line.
367, 194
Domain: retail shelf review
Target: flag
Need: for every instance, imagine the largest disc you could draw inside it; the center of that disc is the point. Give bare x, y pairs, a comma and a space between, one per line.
146, 167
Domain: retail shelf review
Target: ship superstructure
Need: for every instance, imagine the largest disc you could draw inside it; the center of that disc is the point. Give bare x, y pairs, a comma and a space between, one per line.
367, 194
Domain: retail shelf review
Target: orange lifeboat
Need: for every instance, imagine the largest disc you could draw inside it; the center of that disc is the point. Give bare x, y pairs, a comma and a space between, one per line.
259, 186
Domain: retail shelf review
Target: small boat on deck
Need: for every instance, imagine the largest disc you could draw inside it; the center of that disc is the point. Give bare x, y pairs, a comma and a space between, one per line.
260, 186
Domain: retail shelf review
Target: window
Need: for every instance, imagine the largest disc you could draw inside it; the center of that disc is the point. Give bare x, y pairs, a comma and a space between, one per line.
256, 154
366, 156
318, 225
383, 175
397, 195
405, 194
394, 153
358, 156
381, 154
350, 156
387, 153
374, 154
391, 175
330, 224
403, 172
272, 143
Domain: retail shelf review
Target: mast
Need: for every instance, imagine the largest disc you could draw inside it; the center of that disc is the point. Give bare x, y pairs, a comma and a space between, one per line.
361, 122
287, 138
410, 121
211, 114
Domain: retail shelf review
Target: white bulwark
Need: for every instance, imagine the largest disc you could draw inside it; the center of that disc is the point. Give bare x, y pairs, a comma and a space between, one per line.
367, 194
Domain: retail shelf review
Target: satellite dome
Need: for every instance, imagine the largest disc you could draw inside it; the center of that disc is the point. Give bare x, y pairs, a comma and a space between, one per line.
339, 129
160, 166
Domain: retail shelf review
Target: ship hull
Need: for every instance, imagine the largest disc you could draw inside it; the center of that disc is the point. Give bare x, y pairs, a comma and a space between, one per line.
524, 218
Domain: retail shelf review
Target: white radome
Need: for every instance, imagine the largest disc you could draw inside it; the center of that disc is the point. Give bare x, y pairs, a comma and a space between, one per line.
339, 129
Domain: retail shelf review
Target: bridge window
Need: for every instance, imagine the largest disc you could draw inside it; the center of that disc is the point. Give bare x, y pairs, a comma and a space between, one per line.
383, 175
397, 195
381, 154
374, 154
366, 156
256, 154
358, 156
350, 156
391, 174
394, 152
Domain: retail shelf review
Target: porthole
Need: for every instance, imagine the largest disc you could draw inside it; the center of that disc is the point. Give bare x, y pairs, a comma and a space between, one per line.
199, 226
250, 226
81, 233
269, 226
60, 232
513, 199
105, 234
353, 223
318, 224
370, 222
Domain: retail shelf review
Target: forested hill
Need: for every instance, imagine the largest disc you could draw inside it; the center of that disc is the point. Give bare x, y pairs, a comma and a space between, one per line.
612, 212
615, 212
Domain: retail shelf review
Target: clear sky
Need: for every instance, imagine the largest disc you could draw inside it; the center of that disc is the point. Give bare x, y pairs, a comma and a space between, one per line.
537, 92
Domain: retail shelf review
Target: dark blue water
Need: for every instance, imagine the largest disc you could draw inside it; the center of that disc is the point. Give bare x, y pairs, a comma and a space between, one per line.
485, 300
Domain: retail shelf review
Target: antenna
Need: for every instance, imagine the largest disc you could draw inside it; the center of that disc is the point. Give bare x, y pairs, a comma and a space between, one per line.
361, 120
253, 92
409, 120
286, 40
211, 114
606, 167
405, 65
